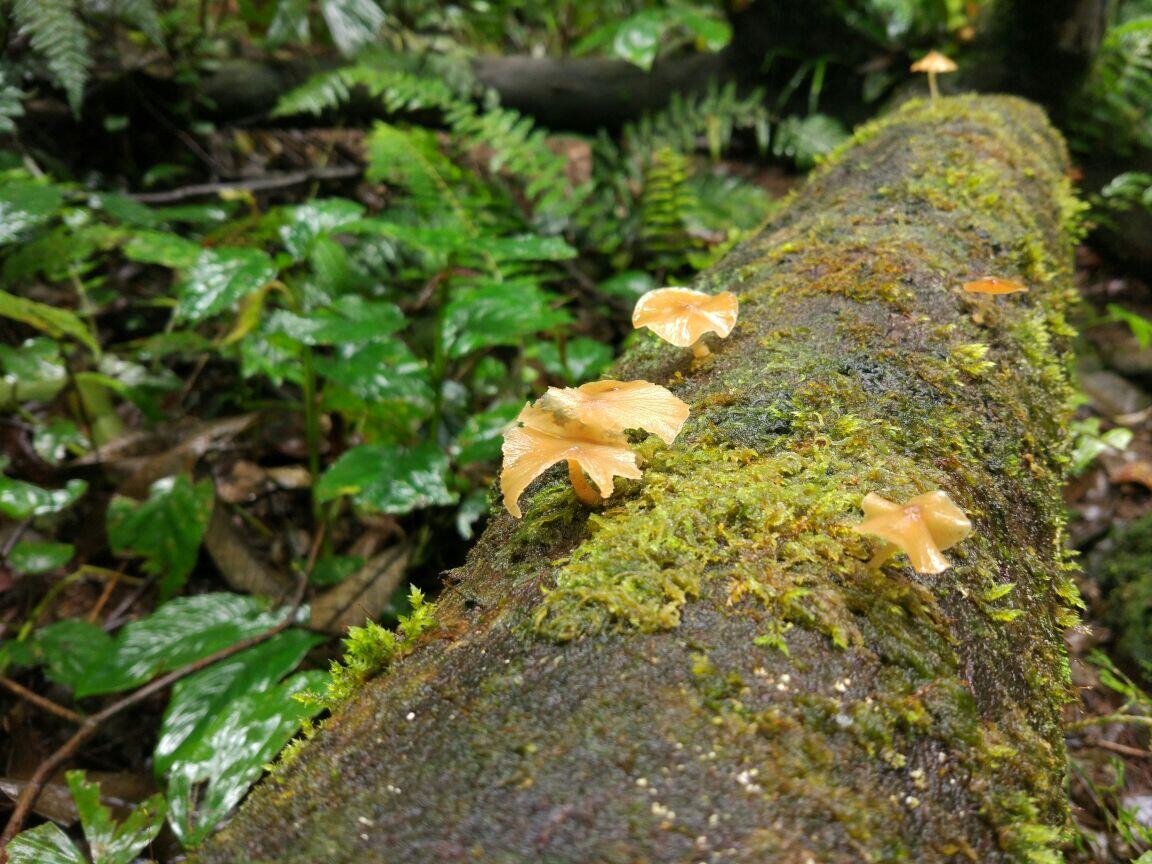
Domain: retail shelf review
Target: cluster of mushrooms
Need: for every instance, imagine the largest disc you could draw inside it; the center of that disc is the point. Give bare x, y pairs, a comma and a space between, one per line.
585, 426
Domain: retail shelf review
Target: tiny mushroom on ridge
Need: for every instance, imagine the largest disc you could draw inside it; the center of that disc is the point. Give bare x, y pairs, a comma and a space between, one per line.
983, 289
682, 316
584, 426
934, 63
922, 528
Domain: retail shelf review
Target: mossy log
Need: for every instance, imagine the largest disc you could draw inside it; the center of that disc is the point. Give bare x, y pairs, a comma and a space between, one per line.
707, 669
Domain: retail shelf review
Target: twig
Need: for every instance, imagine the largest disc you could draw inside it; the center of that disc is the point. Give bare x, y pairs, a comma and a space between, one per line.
40, 702
93, 722
257, 184
1119, 748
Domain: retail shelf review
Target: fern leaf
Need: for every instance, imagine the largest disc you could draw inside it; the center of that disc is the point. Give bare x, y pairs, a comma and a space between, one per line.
10, 106
142, 15
57, 34
353, 24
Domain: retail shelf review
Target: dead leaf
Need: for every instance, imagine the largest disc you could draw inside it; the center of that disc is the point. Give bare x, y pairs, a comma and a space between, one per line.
240, 566
1134, 472
362, 595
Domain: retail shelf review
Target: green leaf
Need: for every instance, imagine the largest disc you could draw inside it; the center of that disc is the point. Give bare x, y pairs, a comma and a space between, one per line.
382, 376
25, 204
33, 372
334, 569
352, 23
57, 33
201, 697
29, 556
581, 360
526, 247
179, 632
167, 250
628, 285
11, 104
308, 222
347, 320
70, 648
112, 842
1140, 326
44, 844
165, 530
483, 434
289, 24
498, 314
20, 500
231, 753
220, 279
389, 479
142, 15
805, 139
52, 320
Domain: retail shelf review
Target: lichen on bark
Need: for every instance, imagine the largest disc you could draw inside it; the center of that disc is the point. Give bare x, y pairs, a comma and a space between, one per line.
707, 669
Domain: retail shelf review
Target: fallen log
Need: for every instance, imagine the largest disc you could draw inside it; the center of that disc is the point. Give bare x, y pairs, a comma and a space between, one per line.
708, 669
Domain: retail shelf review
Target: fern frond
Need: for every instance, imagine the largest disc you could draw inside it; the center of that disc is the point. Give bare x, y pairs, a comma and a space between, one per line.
1113, 106
411, 159
667, 209
712, 116
142, 15
10, 104
57, 34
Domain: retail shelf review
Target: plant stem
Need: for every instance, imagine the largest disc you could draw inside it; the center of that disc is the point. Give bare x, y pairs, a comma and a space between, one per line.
932, 85
580, 485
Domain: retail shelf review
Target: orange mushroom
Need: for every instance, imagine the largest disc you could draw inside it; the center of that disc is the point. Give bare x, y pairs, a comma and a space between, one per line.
994, 285
933, 63
922, 528
682, 316
618, 405
584, 426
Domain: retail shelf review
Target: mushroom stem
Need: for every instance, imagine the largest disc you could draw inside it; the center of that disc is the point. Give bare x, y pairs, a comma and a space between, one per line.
932, 85
587, 495
699, 349
880, 556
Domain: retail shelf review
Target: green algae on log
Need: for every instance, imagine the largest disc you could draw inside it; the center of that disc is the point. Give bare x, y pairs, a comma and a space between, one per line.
706, 669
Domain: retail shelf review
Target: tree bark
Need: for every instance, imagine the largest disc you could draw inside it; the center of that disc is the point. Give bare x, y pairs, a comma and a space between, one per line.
708, 669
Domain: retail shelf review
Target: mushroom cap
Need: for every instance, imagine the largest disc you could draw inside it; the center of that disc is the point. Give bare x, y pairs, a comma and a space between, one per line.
618, 405
681, 316
544, 437
933, 61
994, 285
922, 527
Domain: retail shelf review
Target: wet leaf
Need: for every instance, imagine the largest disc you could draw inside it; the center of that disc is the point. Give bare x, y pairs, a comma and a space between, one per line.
165, 530
20, 500
352, 23
201, 697
389, 479
50, 320
112, 842
26, 204
44, 844
230, 756
82, 656
167, 250
498, 314
305, 224
29, 556
483, 434
349, 319
219, 279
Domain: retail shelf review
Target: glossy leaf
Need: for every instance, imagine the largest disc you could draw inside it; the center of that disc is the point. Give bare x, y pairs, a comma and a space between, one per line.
201, 697
581, 360
44, 844
230, 756
25, 204
33, 372
352, 23
165, 530
483, 433
348, 319
69, 648
112, 842
498, 314
30, 556
167, 250
389, 479
628, 285
526, 247
20, 500
221, 278
50, 320
382, 375
308, 222
179, 632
